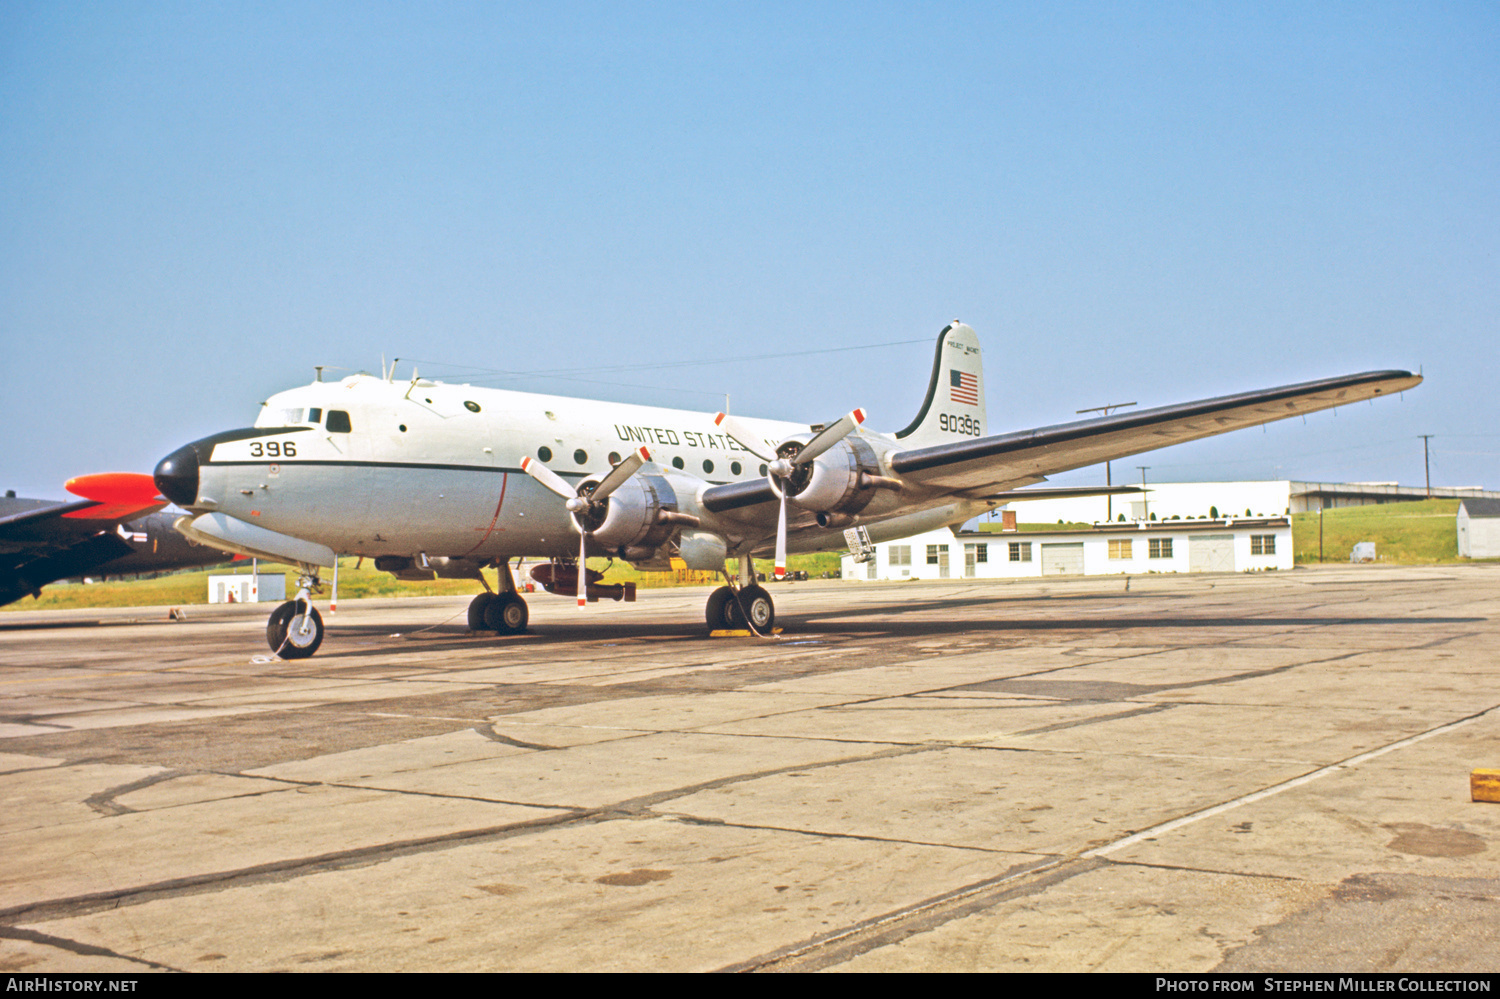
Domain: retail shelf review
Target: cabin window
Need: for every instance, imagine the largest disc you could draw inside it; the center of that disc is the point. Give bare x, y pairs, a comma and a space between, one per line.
614, 458
338, 422
544, 452
708, 466
736, 468
678, 463
763, 468
472, 407
580, 457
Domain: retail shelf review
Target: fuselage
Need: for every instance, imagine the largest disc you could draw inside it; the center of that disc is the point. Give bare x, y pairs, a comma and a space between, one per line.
378, 467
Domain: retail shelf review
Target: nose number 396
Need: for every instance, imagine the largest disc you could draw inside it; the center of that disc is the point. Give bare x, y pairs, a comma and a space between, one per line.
273, 449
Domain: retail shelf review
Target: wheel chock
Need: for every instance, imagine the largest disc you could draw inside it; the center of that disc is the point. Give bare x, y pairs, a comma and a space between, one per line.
1484, 785
738, 633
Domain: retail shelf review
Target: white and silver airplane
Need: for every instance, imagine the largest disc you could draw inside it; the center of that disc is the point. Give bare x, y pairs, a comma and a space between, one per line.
433, 479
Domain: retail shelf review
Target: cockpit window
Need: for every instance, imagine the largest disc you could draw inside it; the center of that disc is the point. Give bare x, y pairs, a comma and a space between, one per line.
338, 422
315, 415
291, 417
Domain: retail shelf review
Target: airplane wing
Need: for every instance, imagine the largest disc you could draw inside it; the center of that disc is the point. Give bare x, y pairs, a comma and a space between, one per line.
983, 466
994, 467
41, 541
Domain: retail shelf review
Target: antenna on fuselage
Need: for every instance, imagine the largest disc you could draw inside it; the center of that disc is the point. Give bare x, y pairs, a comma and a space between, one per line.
319, 369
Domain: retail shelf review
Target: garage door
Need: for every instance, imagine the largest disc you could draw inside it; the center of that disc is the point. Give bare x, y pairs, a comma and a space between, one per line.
1062, 559
1211, 553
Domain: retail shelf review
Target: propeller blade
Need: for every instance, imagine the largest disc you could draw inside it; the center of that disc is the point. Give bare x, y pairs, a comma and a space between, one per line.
829, 436
624, 470
547, 477
583, 570
781, 540
740, 432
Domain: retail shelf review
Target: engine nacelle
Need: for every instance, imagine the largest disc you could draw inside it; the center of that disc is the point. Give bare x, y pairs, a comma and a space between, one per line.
636, 516
838, 479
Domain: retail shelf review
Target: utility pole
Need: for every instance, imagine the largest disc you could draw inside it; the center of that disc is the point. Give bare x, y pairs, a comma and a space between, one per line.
1426, 468
1145, 503
1109, 499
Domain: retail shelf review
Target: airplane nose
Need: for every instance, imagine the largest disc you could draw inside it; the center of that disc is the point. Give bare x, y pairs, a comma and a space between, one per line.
177, 476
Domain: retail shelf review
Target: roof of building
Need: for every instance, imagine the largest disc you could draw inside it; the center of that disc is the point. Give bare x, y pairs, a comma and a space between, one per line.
1154, 526
1481, 507
1386, 490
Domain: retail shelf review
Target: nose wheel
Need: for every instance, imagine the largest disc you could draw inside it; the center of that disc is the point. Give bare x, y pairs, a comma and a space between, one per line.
295, 630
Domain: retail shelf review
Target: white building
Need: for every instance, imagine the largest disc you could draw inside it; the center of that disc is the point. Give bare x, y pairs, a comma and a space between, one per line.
246, 588
1479, 528
1227, 545
1273, 498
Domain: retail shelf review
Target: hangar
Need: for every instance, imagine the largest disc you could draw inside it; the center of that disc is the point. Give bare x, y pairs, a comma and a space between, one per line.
1245, 544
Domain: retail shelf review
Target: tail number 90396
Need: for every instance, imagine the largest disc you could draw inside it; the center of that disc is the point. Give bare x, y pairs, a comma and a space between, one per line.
959, 424
273, 449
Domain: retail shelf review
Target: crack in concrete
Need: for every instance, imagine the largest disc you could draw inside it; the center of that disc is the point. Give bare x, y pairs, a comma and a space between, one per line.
846, 943
74, 947
104, 801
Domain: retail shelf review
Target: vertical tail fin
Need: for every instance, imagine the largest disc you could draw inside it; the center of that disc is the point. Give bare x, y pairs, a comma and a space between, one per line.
954, 407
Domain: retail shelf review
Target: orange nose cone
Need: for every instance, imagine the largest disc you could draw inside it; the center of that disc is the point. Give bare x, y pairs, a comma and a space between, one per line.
120, 495
116, 488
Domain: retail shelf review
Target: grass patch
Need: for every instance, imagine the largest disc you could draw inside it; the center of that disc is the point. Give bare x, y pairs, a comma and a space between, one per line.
186, 588
1423, 532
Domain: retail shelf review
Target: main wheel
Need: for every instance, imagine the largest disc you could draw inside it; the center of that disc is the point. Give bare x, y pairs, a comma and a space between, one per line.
477, 608
755, 602
718, 602
507, 614
292, 634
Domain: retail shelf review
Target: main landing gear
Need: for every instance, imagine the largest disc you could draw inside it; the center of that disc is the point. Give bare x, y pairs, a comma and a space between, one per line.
504, 612
295, 629
748, 605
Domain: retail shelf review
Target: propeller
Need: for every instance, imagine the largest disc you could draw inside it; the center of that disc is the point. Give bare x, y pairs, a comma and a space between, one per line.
588, 504
783, 465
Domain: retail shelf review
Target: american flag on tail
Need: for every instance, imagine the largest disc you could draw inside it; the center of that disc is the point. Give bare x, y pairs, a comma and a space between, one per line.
963, 388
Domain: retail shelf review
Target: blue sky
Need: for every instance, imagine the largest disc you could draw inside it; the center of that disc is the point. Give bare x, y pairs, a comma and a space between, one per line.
1152, 203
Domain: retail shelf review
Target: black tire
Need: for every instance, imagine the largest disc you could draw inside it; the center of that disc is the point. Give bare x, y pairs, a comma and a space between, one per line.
507, 614
715, 613
757, 603
283, 631
476, 611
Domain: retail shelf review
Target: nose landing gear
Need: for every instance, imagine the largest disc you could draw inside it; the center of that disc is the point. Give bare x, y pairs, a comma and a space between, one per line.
295, 629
